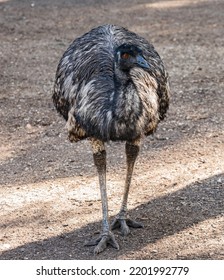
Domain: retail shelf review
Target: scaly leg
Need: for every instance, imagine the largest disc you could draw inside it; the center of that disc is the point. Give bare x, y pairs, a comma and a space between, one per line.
121, 221
106, 237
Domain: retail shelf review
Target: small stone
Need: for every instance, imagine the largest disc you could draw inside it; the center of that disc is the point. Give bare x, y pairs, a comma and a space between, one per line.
154, 251
29, 126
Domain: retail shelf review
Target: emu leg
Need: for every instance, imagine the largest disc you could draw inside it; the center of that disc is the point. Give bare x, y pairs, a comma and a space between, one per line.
106, 237
121, 221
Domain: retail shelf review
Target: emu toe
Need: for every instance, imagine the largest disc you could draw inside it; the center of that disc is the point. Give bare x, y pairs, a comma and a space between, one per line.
102, 241
124, 223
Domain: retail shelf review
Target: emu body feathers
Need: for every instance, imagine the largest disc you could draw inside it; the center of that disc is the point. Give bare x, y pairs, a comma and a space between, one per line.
111, 84
106, 102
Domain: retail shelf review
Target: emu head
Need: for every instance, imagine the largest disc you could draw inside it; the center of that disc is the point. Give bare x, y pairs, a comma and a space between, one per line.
129, 56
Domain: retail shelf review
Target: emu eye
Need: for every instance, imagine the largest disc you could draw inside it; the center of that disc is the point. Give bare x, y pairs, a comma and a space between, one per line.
125, 55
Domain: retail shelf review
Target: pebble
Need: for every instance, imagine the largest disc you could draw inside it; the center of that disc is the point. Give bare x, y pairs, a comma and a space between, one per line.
154, 251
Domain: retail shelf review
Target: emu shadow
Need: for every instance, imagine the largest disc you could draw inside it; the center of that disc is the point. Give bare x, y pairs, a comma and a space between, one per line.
163, 216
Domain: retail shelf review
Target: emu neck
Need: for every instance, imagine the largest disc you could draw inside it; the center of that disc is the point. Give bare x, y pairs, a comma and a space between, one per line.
127, 101
124, 85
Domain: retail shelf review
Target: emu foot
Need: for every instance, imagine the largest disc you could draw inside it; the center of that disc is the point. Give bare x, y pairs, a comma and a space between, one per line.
102, 241
124, 223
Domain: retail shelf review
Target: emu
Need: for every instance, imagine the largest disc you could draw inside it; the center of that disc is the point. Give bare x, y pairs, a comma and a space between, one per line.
111, 85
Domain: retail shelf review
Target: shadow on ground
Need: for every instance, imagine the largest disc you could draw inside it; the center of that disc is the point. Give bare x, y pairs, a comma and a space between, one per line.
162, 217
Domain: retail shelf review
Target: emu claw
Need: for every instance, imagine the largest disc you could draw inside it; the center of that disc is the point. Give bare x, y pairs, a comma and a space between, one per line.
124, 225
102, 241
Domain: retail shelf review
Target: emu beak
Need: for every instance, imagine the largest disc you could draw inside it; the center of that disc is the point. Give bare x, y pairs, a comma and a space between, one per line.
142, 62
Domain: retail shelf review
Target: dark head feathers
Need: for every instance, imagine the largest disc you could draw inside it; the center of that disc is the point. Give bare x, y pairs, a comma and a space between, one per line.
128, 56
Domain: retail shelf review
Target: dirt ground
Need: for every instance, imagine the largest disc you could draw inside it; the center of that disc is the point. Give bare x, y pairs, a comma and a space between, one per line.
50, 202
